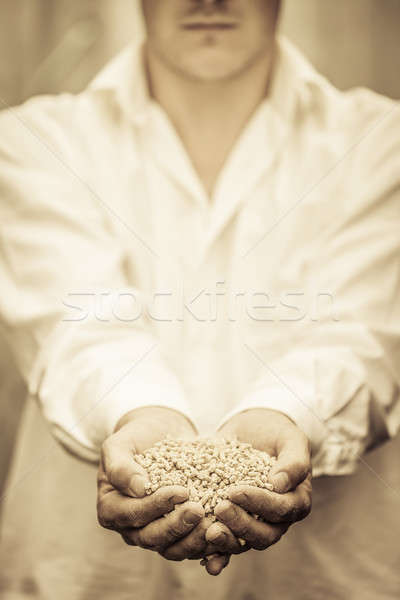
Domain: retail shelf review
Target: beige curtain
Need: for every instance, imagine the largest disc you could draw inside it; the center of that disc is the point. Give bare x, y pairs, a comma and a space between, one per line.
48, 46
353, 42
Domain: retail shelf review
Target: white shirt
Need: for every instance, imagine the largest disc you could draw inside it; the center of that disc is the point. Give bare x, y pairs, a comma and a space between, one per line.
279, 291
98, 195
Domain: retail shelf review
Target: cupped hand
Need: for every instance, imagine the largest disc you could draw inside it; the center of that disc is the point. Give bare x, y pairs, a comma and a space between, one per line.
259, 517
156, 521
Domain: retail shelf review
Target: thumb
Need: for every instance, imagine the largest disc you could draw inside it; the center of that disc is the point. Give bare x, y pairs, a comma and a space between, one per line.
293, 462
121, 469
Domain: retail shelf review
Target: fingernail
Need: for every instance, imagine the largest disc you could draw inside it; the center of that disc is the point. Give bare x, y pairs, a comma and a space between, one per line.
228, 513
238, 497
137, 486
219, 536
179, 497
190, 517
281, 482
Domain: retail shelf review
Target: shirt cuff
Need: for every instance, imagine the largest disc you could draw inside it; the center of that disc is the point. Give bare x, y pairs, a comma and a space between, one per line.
83, 431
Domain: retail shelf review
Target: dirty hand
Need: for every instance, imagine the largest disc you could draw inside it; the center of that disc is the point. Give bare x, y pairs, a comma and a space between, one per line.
276, 434
156, 521
196, 545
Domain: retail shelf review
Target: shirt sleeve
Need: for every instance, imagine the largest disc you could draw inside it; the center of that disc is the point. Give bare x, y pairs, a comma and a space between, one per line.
57, 256
339, 381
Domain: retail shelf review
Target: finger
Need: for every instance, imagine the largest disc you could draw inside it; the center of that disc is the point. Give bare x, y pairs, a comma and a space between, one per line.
120, 467
222, 539
256, 533
116, 511
273, 507
293, 463
216, 563
169, 529
192, 546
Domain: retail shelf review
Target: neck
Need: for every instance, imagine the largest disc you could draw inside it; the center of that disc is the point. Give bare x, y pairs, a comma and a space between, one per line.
209, 115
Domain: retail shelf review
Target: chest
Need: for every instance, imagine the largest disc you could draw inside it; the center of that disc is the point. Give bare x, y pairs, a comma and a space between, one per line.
275, 198
264, 226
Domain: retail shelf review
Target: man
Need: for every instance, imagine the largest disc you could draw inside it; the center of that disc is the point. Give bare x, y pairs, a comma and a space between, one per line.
214, 180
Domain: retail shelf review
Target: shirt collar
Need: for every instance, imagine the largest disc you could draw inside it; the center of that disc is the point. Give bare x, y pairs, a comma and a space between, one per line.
125, 75
292, 80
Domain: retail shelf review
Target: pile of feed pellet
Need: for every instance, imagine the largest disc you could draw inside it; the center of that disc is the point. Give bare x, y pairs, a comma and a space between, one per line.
207, 467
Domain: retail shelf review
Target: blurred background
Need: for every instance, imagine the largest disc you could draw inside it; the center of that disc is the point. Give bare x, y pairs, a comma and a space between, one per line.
49, 46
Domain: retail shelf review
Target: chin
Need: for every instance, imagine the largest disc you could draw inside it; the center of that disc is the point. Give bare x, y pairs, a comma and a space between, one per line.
212, 66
